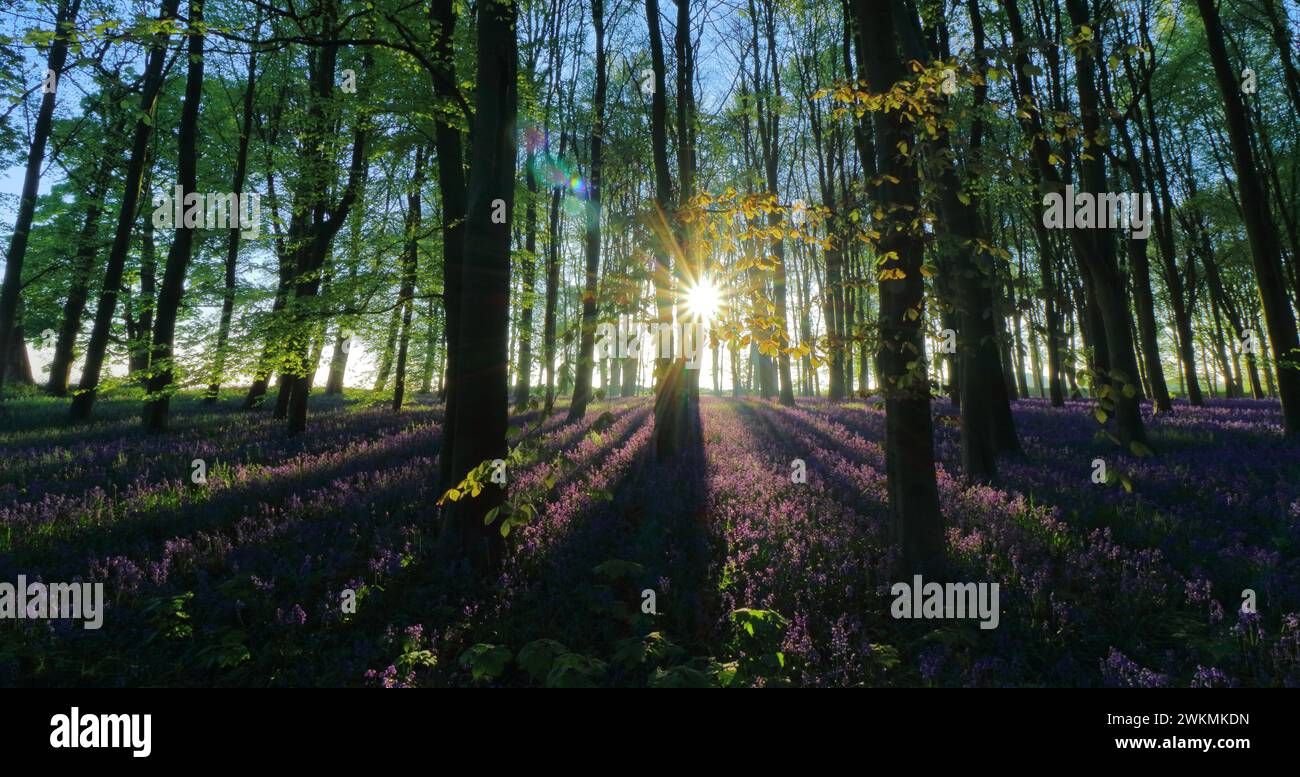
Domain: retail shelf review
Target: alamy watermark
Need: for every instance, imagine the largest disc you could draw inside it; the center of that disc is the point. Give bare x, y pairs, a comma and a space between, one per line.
211, 210
946, 600
103, 730
35, 601
628, 339
1106, 210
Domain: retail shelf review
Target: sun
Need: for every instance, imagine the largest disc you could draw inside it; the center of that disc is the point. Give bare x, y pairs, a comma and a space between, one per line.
704, 300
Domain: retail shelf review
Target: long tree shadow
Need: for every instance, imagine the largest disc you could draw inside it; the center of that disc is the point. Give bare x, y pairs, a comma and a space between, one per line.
839, 485
157, 517
633, 559
356, 536
180, 513
450, 603
115, 465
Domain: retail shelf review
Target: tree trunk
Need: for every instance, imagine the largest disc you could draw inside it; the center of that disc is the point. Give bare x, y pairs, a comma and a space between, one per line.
1260, 229
769, 130
973, 276
1280, 30
319, 219
670, 381
410, 264
139, 349
161, 365
1022, 384
552, 286
452, 196
1095, 250
1181, 295
1140, 267
483, 404
267, 363
17, 365
232, 245
909, 440
523, 382
390, 345
430, 348
84, 402
317, 347
64, 22
1042, 172
582, 384
79, 290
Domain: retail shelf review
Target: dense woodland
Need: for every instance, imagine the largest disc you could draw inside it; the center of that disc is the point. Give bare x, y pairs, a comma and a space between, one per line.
435, 211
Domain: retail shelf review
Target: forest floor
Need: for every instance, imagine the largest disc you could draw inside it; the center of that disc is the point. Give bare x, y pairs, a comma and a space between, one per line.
754, 579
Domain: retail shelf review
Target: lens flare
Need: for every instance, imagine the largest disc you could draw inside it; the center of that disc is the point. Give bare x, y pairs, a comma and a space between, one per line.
704, 300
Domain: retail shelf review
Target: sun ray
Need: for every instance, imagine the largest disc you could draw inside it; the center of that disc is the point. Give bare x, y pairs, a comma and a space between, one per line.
704, 299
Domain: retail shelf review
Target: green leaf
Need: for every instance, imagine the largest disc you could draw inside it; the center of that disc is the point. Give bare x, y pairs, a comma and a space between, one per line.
413, 659
537, 657
635, 651
680, 677
573, 670
507, 525
485, 661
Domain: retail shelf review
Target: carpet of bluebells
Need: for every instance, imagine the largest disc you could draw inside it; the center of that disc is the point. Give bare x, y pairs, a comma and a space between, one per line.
756, 580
